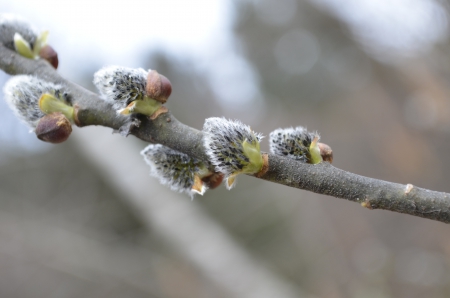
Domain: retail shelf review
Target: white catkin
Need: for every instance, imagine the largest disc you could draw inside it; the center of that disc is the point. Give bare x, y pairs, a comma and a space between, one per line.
11, 24
223, 144
172, 168
22, 95
121, 85
292, 142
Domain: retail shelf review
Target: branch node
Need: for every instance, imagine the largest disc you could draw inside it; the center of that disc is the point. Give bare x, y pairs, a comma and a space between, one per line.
76, 108
367, 204
408, 188
265, 166
128, 127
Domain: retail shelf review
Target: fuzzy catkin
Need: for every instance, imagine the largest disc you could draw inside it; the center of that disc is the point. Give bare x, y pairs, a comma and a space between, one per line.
22, 94
223, 142
121, 85
173, 168
292, 142
11, 24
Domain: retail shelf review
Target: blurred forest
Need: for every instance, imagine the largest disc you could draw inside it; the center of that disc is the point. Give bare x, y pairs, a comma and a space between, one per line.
372, 78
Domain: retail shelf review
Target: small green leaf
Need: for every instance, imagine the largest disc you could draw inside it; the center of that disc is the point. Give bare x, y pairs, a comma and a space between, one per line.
50, 104
147, 106
314, 151
22, 46
41, 41
253, 152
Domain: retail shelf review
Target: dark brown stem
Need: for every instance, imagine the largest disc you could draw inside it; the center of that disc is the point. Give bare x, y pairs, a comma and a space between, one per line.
167, 130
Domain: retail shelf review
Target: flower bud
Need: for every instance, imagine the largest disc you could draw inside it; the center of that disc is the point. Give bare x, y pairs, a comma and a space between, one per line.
296, 143
17, 34
53, 128
25, 95
11, 24
158, 86
49, 54
175, 169
232, 147
125, 89
326, 152
213, 180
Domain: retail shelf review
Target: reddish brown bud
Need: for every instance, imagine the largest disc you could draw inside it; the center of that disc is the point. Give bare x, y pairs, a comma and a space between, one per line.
158, 86
213, 180
49, 54
53, 128
326, 152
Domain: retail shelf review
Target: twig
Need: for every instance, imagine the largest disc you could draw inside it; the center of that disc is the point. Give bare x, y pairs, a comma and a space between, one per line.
167, 130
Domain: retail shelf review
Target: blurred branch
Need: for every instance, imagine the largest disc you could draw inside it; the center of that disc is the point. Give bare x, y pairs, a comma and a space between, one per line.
167, 130
53, 243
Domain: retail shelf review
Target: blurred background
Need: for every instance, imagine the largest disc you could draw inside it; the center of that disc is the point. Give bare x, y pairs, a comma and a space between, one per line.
84, 219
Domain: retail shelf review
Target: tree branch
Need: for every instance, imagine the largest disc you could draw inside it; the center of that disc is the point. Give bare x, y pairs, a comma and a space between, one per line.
322, 178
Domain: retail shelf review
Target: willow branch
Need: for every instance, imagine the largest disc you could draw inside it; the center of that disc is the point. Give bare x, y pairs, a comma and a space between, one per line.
167, 130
